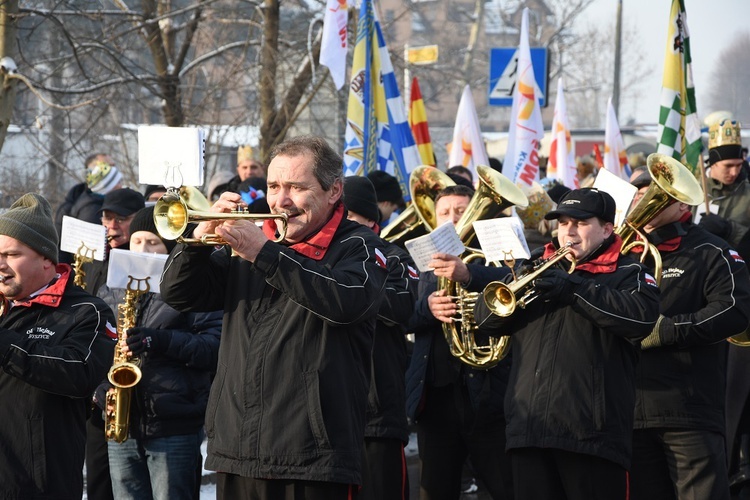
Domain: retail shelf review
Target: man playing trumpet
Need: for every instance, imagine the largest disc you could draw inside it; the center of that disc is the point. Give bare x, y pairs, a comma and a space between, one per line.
571, 393
286, 413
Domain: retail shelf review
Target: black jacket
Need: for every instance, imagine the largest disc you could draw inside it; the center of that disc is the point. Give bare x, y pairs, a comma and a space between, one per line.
172, 395
433, 365
705, 290
572, 381
386, 412
290, 393
80, 203
54, 350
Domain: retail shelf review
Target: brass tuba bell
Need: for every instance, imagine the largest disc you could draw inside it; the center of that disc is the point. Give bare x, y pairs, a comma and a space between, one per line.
671, 182
425, 182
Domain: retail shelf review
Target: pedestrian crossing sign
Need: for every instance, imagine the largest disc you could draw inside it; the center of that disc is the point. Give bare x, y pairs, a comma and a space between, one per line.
503, 74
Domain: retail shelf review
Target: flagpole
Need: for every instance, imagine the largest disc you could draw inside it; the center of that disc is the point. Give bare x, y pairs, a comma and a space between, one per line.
704, 181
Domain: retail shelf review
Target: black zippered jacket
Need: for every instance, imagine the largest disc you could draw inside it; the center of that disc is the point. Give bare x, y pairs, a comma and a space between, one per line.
572, 380
290, 393
705, 290
54, 350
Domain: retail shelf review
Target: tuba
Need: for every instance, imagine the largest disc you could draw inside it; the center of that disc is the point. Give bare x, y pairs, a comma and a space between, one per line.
125, 373
495, 194
425, 182
671, 182
502, 299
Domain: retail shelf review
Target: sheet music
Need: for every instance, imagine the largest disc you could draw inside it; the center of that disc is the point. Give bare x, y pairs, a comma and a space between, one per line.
621, 190
171, 156
123, 264
76, 232
443, 239
502, 239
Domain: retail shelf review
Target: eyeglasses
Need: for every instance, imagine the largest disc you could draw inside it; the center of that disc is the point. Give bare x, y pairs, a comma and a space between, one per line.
106, 219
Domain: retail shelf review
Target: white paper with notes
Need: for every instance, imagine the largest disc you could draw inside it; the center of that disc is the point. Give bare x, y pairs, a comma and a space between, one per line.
502, 239
443, 239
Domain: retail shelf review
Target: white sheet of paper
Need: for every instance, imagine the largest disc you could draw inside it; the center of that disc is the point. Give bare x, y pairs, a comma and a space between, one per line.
77, 232
502, 239
701, 209
444, 239
124, 265
171, 156
621, 190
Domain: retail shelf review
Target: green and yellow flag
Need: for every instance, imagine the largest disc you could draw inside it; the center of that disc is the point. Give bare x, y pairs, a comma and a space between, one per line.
679, 133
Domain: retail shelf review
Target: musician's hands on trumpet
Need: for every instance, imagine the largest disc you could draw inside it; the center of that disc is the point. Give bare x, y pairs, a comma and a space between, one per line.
444, 265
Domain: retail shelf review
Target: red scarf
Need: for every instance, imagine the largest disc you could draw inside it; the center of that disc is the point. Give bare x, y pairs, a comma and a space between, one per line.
316, 245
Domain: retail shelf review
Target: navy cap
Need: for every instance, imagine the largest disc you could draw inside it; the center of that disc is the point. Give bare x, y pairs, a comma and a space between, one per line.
123, 201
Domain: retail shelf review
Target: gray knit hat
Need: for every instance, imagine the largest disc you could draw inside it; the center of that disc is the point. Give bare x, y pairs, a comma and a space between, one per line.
29, 220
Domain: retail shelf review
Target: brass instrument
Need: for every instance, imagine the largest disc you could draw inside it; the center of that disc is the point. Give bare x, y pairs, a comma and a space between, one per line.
425, 182
172, 216
671, 182
83, 256
125, 372
495, 194
502, 299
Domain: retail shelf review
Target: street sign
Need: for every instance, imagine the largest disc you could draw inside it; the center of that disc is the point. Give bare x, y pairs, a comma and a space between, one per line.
503, 74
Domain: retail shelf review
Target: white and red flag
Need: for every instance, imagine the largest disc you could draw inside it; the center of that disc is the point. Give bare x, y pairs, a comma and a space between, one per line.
562, 164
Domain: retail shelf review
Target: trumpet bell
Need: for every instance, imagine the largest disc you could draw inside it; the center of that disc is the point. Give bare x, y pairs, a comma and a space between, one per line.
171, 217
500, 299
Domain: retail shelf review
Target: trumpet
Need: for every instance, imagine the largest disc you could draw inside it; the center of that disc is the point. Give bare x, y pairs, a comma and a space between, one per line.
502, 299
172, 216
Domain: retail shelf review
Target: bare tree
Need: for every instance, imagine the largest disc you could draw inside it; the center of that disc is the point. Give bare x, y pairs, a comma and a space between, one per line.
731, 76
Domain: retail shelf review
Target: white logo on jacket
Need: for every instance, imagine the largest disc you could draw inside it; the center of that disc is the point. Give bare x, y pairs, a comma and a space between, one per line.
672, 272
40, 332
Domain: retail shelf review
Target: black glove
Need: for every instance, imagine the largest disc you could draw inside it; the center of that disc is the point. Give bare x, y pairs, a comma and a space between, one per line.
717, 225
555, 285
661, 334
142, 339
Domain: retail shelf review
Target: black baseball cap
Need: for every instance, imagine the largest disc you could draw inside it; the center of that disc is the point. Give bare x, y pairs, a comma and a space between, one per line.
123, 201
585, 203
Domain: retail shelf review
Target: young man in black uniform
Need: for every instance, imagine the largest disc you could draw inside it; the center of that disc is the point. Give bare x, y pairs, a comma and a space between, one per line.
286, 414
571, 393
678, 443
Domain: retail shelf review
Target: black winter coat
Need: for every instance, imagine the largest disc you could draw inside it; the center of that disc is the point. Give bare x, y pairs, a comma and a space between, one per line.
290, 393
80, 203
572, 381
705, 290
54, 350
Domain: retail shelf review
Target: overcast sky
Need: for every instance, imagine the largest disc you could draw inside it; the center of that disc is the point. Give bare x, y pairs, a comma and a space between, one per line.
712, 25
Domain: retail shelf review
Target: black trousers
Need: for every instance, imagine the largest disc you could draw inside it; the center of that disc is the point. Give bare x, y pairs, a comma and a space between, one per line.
98, 481
447, 436
680, 464
384, 474
233, 487
552, 474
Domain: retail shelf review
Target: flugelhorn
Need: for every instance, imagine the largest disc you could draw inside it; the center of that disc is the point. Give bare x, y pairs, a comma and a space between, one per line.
671, 182
502, 299
172, 216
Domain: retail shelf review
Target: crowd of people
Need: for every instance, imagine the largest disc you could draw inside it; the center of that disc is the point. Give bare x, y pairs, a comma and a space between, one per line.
286, 348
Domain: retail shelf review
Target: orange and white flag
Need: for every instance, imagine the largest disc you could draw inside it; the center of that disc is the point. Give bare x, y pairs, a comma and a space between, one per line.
562, 164
615, 156
467, 148
521, 163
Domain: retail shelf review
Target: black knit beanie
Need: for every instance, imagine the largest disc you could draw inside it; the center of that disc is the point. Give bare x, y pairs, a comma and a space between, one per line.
29, 220
144, 221
359, 197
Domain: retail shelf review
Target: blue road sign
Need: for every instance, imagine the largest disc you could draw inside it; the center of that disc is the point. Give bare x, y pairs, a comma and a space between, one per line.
503, 74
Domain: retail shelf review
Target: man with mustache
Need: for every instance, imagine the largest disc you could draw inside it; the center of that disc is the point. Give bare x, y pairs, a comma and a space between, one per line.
286, 414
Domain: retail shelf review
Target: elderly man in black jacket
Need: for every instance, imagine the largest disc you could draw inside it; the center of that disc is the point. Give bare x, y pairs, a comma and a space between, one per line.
571, 394
678, 443
286, 413
56, 345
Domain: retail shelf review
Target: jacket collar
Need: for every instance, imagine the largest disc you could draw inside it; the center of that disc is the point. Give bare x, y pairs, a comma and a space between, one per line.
317, 244
52, 295
603, 260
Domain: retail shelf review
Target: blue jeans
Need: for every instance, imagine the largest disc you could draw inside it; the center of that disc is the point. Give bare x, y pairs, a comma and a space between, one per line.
159, 468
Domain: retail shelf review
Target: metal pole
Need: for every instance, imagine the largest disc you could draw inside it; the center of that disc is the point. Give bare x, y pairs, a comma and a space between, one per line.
618, 49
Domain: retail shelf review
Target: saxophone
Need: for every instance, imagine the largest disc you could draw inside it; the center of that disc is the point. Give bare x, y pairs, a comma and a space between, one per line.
125, 372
